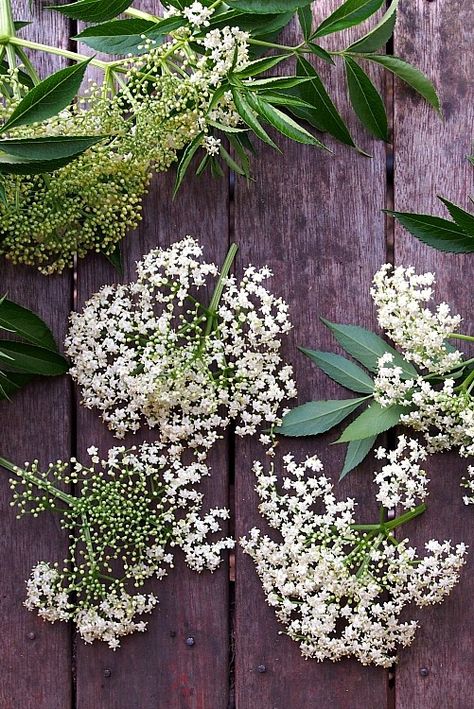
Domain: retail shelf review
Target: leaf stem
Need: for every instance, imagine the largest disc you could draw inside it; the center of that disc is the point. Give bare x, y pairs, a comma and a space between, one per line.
460, 336
66, 53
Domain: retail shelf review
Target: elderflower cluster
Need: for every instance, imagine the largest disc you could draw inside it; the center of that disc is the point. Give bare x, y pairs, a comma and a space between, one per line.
129, 514
401, 481
399, 294
94, 201
151, 351
339, 588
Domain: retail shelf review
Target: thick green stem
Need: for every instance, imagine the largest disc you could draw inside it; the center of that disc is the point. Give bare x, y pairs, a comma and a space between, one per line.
132, 12
41, 484
219, 289
7, 31
49, 49
459, 336
406, 517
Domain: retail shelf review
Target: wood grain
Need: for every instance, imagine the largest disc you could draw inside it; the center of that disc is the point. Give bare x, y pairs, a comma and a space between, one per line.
430, 159
316, 220
35, 656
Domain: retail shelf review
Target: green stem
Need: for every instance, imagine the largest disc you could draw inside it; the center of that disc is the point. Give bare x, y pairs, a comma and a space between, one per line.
42, 484
406, 517
29, 44
459, 336
132, 12
219, 289
30, 69
7, 31
272, 45
467, 383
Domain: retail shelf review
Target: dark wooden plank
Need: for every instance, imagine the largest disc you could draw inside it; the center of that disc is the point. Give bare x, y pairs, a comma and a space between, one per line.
430, 160
316, 220
35, 656
158, 668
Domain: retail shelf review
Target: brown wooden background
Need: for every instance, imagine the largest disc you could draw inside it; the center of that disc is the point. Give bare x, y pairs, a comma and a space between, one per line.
316, 220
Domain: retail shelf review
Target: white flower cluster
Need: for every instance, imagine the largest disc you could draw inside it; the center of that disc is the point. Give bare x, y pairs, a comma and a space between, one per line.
131, 511
151, 351
338, 587
402, 481
198, 14
468, 483
399, 294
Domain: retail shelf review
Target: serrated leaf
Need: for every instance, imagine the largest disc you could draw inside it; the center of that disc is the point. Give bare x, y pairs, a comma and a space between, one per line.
48, 97
326, 116
439, 233
54, 147
379, 35
374, 420
366, 100
305, 17
26, 324
125, 36
247, 114
367, 347
93, 10
341, 370
464, 220
410, 75
31, 359
317, 417
356, 452
185, 161
350, 13
284, 124
263, 7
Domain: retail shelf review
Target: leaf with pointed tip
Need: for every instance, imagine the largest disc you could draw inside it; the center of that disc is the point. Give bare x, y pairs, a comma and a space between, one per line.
54, 147
31, 359
247, 114
284, 124
356, 452
185, 161
305, 17
320, 52
26, 324
48, 97
374, 420
325, 115
11, 165
11, 383
367, 347
379, 35
115, 258
366, 100
410, 75
317, 416
439, 233
260, 65
341, 370
464, 220
350, 13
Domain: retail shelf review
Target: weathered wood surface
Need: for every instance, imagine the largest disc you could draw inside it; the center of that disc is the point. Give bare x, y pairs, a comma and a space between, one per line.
316, 220
430, 159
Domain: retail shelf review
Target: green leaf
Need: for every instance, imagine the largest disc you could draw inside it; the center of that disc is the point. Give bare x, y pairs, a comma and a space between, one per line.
11, 383
439, 233
115, 258
317, 417
366, 100
234, 166
350, 13
268, 6
379, 35
355, 454
275, 82
25, 323
326, 115
11, 165
305, 17
125, 36
249, 117
260, 65
342, 370
48, 97
374, 420
30, 359
185, 161
284, 124
367, 347
48, 147
23, 77
320, 52
93, 10
464, 220
410, 75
